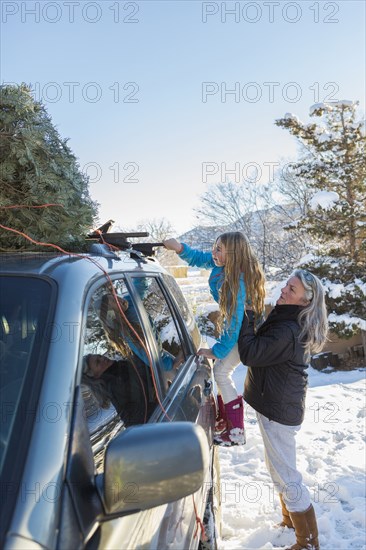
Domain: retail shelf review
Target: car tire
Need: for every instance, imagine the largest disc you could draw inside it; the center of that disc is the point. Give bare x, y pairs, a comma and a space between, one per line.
212, 517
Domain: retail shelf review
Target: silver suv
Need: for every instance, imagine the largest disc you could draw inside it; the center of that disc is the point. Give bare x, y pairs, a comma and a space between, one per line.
107, 415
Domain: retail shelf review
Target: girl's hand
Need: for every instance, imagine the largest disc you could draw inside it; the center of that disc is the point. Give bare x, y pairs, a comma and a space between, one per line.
206, 353
173, 244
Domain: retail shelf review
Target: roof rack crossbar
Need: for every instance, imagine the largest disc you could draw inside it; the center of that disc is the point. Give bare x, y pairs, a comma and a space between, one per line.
120, 240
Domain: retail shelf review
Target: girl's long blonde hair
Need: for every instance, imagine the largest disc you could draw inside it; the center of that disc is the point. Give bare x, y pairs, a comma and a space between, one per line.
240, 259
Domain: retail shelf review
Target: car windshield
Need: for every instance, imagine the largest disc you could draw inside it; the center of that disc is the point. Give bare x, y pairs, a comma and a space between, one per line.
24, 319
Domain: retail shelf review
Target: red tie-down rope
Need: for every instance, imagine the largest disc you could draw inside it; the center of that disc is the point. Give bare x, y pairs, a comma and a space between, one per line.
31, 206
199, 523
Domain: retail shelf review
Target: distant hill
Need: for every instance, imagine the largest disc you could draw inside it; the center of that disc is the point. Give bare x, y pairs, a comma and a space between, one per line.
203, 237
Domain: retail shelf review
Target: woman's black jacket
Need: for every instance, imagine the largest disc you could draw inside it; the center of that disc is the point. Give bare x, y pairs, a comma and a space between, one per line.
276, 381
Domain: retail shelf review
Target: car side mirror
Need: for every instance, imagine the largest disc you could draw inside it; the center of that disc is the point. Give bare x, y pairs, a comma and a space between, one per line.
153, 464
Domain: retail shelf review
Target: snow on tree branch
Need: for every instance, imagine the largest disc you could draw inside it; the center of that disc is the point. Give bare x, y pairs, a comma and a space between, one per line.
324, 200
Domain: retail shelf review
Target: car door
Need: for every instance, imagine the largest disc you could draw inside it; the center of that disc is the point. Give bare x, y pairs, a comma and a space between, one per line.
153, 356
185, 382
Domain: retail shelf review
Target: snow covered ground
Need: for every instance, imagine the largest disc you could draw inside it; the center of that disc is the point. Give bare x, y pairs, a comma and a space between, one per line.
331, 457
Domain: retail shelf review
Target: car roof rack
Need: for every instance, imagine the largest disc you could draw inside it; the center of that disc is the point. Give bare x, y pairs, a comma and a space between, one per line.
122, 242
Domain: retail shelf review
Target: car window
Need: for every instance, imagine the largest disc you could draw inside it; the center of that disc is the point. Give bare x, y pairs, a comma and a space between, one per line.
186, 313
116, 383
25, 331
172, 349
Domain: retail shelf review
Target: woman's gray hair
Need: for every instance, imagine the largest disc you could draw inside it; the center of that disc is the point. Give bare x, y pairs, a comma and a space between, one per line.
313, 318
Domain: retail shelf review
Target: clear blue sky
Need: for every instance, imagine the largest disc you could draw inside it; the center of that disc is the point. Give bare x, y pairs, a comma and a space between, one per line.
124, 81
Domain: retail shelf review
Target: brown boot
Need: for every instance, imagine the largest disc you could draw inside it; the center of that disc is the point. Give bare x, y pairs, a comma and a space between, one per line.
306, 530
286, 520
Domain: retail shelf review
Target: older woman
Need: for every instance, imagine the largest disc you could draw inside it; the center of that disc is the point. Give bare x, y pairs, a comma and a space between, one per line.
277, 355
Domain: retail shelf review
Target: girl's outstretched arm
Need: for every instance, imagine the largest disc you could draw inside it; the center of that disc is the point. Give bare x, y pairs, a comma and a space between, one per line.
197, 258
192, 256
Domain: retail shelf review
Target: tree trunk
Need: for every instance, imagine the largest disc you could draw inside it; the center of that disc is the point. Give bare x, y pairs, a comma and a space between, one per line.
363, 334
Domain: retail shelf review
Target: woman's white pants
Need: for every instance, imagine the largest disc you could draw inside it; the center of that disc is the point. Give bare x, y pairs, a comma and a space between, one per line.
280, 455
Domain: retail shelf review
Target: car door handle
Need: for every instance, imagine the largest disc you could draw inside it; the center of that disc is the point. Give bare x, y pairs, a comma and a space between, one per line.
207, 390
199, 359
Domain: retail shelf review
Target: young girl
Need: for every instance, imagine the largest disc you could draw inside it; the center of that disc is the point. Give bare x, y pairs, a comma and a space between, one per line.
236, 277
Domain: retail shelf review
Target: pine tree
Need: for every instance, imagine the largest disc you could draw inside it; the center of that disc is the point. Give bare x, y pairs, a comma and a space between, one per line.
333, 165
37, 167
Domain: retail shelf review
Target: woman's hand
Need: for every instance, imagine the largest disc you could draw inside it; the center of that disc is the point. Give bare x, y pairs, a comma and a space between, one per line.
206, 353
173, 244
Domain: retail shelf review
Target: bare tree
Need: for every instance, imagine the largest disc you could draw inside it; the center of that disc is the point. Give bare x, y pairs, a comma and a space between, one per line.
159, 229
293, 188
228, 205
